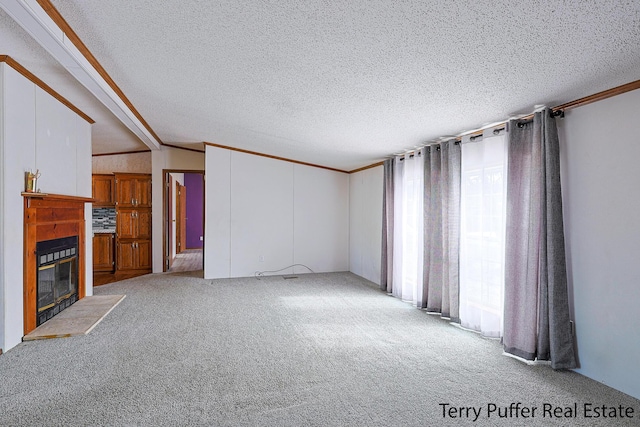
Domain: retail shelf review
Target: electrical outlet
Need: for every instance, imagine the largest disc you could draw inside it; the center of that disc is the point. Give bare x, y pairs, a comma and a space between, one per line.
201, 238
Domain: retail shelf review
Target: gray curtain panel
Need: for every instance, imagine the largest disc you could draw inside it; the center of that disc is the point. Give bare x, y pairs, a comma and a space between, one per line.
536, 303
441, 283
386, 267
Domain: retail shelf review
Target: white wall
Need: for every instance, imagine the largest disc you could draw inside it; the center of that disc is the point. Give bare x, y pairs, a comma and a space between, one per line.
321, 225
2, 192
266, 214
167, 158
261, 214
37, 133
365, 219
600, 148
217, 213
19, 125
83, 188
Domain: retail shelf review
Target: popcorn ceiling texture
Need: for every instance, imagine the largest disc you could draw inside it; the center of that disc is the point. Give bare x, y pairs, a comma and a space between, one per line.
346, 83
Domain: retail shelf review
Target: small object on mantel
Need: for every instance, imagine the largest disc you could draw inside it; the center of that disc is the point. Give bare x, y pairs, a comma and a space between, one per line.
30, 181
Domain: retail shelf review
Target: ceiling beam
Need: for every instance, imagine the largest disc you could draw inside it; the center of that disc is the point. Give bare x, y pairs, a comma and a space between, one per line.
59, 42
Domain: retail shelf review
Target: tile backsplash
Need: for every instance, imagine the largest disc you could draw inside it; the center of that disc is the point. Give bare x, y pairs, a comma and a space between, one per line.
104, 218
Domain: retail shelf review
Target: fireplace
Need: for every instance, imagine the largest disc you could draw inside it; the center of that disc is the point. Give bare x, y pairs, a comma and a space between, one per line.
54, 255
57, 277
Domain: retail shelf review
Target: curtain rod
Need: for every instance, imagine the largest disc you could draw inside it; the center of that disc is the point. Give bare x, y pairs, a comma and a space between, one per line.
500, 126
557, 111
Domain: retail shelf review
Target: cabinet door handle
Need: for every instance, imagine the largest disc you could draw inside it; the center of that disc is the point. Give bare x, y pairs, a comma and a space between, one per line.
132, 200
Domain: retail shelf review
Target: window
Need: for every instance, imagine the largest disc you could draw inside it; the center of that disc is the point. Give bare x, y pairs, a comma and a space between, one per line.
483, 205
408, 219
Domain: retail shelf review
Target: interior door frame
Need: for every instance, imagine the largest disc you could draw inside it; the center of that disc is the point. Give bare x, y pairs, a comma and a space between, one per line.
181, 218
170, 220
166, 214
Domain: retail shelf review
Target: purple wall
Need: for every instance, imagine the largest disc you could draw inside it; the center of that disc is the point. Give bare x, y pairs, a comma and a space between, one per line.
195, 205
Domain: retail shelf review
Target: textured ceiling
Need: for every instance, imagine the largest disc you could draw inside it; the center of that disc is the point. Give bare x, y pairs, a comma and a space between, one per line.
346, 83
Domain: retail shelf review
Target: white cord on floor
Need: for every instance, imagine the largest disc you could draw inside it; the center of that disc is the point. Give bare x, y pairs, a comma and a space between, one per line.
259, 274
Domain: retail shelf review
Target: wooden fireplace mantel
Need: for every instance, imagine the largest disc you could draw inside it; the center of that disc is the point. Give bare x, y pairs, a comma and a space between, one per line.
46, 217
50, 196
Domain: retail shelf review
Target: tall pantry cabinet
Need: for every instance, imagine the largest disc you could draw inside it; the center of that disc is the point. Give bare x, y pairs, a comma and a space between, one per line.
133, 222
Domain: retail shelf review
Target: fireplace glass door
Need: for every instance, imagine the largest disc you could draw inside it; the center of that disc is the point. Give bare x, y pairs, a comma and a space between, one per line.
46, 283
57, 276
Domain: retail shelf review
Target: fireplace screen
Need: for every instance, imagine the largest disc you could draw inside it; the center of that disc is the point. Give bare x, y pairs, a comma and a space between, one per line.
57, 276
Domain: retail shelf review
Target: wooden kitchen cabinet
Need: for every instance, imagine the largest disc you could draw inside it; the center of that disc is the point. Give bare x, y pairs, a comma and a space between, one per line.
103, 190
143, 259
134, 255
133, 190
133, 223
143, 192
125, 224
125, 191
103, 252
125, 258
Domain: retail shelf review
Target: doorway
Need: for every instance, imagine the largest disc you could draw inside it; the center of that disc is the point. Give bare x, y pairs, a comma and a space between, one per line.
183, 220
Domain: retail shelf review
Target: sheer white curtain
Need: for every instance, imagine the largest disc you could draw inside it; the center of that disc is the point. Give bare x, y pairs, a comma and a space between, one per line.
483, 212
408, 226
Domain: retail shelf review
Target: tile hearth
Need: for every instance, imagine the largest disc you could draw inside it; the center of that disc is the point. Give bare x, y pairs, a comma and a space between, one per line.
79, 319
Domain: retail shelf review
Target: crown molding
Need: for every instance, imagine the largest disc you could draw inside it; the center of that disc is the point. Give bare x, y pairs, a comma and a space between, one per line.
284, 159
42, 85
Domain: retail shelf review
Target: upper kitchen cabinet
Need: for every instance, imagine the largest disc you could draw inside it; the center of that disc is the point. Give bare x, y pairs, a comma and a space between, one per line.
103, 190
133, 190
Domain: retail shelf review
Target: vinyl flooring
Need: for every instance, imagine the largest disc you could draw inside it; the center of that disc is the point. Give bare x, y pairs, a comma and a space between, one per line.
187, 260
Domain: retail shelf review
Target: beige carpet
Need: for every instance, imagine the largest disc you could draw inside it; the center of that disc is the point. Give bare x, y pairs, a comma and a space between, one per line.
79, 319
